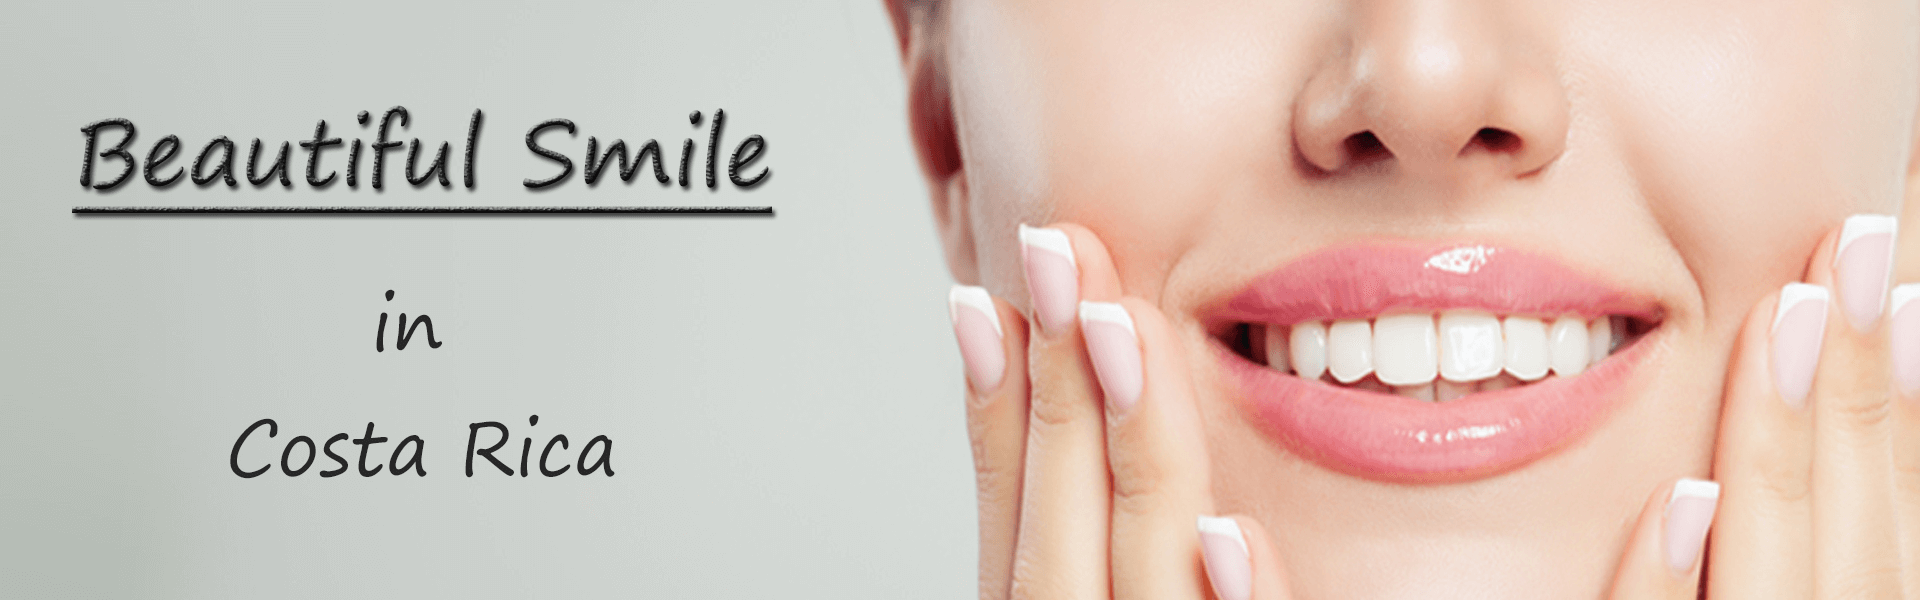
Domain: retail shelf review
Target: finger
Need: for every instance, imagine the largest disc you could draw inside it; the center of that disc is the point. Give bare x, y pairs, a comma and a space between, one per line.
1856, 551
1663, 559
1904, 342
1761, 536
1156, 450
1240, 561
1062, 550
993, 344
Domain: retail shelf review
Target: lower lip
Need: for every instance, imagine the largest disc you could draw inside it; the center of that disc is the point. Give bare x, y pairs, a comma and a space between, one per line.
1394, 438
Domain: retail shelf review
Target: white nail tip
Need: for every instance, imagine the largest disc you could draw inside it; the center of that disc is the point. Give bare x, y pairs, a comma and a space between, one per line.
1049, 239
1859, 226
1795, 293
1902, 294
1694, 488
1106, 312
977, 298
1223, 526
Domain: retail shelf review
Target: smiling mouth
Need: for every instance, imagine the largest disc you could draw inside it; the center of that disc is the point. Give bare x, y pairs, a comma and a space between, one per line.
1435, 357
1424, 362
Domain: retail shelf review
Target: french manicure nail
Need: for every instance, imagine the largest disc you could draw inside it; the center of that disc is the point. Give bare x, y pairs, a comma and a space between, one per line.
1799, 324
1115, 350
1223, 548
1905, 340
1861, 266
977, 325
1689, 514
1052, 276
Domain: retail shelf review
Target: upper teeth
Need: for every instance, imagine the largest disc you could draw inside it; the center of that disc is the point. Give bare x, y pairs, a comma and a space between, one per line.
1410, 350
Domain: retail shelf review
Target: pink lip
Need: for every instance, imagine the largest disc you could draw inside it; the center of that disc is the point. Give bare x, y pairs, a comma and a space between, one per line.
1392, 438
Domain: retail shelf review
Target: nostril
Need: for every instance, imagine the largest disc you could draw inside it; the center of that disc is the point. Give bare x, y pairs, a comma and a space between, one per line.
1365, 147
1498, 141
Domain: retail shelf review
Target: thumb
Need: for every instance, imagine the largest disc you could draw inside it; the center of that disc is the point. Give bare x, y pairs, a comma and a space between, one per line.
1240, 561
1663, 560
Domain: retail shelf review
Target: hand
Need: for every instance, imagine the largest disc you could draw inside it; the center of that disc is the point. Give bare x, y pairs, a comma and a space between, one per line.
1819, 455
1091, 463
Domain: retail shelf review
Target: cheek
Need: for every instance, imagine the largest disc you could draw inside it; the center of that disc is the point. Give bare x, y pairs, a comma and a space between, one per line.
1136, 123
1744, 141
990, 61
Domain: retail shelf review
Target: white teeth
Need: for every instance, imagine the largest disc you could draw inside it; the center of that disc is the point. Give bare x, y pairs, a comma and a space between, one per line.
1526, 348
1567, 344
1404, 349
1276, 346
1471, 346
1599, 340
1350, 350
1307, 349
1419, 355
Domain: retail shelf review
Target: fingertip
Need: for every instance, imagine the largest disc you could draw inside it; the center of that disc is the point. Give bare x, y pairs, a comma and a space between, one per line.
1148, 322
977, 327
1689, 511
1268, 575
1113, 345
1662, 557
1013, 327
1227, 558
1052, 273
1820, 265
1098, 279
1166, 381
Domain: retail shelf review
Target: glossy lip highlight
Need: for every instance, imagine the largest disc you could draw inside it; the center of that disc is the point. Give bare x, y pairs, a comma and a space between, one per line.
1362, 282
1392, 438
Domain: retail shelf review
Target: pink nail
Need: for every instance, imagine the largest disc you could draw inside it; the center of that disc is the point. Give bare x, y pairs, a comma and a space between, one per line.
1862, 265
1799, 323
977, 325
1052, 276
1223, 547
1689, 515
1906, 338
1115, 350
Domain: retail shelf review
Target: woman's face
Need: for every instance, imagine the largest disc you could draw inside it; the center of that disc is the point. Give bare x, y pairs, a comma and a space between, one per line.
1667, 161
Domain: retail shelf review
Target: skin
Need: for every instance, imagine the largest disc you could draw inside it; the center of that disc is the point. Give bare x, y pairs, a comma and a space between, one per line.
1700, 152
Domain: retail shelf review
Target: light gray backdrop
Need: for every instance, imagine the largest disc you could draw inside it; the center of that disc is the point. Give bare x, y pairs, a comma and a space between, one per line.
783, 393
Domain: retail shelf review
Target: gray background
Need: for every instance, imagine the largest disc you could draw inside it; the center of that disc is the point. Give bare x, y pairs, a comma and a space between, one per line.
783, 393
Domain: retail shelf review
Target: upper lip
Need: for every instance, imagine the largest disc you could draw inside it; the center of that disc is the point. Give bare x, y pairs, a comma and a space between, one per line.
1363, 281
1387, 437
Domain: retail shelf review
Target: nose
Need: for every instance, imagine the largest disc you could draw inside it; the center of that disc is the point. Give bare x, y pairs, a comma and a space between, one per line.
1437, 88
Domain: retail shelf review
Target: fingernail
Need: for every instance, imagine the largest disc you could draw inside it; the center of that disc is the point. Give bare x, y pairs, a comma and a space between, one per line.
1861, 266
977, 325
1052, 276
1223, 547
1799, 324
1689, 515
1115, 350
1906, 338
